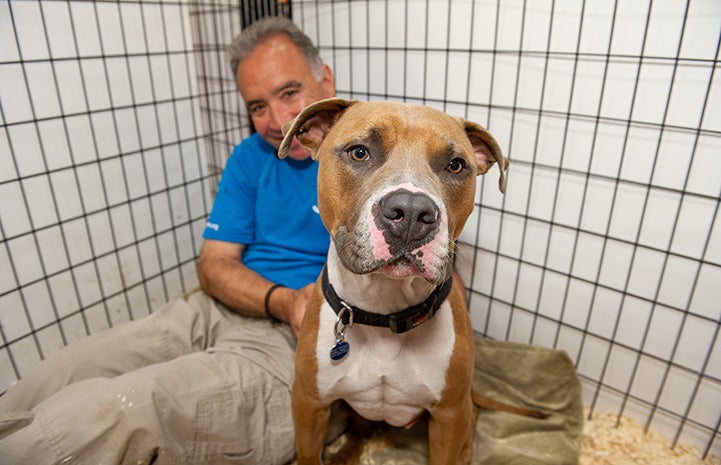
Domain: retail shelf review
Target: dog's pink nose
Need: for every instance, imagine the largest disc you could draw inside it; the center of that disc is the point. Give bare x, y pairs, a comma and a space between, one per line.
408, 216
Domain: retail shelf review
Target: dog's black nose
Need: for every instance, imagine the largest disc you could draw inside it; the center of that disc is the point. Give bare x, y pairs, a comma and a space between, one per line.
409, 216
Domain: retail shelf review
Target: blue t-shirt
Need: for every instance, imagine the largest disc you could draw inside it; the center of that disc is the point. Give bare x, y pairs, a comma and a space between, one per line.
270, 206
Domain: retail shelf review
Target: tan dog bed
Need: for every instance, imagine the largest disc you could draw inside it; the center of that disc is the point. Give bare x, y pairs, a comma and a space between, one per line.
522, 375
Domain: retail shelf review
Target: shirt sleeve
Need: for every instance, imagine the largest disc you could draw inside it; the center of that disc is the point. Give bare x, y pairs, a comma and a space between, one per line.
232, 218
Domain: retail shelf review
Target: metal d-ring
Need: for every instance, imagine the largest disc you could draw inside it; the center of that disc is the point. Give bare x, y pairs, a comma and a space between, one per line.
340, 327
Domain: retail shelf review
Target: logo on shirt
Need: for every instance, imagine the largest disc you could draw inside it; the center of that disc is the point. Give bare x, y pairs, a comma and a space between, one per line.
213, 226
315, 209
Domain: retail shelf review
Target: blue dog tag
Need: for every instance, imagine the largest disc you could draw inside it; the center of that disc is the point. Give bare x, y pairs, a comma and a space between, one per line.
339, 350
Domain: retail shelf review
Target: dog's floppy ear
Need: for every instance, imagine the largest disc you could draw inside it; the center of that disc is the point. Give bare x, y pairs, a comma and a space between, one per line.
312, 124
487, 151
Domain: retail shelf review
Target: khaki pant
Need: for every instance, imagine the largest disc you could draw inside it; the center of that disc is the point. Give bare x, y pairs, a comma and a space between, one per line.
192, 383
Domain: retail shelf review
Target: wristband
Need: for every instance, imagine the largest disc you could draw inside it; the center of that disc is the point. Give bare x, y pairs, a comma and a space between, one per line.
267, 301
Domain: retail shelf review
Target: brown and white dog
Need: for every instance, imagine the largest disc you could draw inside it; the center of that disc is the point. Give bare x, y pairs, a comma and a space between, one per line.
387, 328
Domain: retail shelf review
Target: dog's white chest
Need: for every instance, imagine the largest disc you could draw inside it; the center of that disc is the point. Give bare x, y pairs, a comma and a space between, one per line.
386, 376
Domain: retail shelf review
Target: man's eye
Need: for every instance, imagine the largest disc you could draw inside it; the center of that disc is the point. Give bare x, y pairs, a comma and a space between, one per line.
359, 153
256, 109
456, 166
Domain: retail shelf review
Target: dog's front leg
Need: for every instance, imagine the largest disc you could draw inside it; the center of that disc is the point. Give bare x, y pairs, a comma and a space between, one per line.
311, 422
450, 437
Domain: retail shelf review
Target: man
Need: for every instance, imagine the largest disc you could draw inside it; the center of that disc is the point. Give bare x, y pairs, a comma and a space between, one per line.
277, 79
206, 378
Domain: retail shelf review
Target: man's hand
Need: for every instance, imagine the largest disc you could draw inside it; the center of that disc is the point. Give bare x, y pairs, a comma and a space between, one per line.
294, 304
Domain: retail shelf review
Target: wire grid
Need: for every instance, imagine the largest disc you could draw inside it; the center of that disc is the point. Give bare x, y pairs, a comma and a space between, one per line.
606, 244
117, 119
104, 183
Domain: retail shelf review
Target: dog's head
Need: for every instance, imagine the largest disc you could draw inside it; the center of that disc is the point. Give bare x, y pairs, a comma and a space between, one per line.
396, 182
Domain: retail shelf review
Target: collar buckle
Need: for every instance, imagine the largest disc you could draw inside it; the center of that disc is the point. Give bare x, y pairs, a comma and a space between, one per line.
406, 320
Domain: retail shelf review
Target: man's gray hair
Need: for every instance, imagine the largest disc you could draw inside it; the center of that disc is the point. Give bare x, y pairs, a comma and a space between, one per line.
261, 30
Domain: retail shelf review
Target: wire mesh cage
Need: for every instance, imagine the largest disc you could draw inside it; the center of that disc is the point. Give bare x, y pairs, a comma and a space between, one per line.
117, 119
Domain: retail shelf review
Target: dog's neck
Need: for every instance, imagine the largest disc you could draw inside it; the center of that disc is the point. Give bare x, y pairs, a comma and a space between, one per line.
376, 292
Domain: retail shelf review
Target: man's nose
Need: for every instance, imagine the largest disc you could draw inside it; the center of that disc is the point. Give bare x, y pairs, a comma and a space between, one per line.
281, 114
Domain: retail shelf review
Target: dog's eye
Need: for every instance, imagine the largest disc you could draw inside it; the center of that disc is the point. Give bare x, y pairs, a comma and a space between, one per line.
456, 165
358, 153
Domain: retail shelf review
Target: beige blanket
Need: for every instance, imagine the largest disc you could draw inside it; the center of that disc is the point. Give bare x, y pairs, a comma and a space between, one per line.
518, 374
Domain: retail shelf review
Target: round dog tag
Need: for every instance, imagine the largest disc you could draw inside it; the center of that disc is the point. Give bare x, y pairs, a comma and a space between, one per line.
339, 350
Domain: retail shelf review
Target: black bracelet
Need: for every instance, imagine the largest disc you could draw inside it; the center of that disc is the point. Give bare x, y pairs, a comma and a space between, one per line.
267, 301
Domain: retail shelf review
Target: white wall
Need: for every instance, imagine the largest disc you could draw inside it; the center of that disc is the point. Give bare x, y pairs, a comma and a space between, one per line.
607, 243
102, 170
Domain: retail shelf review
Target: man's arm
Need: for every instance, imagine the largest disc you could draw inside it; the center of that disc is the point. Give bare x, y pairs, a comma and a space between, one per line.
223, 276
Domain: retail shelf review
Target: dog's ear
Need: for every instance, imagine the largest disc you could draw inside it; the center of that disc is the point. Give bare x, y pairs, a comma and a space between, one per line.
487, 151
312, 124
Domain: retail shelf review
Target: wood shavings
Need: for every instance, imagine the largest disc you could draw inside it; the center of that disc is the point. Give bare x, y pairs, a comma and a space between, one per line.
605, 444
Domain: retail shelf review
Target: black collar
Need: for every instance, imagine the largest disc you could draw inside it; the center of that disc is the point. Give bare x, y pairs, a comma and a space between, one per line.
398, 322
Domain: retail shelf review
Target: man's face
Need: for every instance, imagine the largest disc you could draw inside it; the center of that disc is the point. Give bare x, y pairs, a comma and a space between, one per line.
276, 84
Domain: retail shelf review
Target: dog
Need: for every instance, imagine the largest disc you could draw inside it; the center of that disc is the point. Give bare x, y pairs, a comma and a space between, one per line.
387, 328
